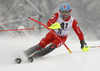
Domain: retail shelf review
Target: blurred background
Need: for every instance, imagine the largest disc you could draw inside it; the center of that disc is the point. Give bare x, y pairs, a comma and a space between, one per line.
14, 13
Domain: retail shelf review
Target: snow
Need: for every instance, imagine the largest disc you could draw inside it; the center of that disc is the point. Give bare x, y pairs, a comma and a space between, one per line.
59, 60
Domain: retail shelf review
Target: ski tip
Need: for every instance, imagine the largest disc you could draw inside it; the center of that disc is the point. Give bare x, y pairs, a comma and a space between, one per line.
30, 59
18, 60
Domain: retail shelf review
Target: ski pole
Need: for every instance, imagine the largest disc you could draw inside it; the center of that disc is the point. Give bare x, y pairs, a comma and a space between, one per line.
54, 26
52, 32
94, 46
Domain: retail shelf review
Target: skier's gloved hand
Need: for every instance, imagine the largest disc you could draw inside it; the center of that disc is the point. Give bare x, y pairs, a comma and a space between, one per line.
55, 26
84, 46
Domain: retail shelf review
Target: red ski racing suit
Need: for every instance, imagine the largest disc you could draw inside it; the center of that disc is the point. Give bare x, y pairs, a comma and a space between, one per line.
66, 25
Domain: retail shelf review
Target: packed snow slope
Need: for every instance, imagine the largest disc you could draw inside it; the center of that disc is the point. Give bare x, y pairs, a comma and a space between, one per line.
58, 60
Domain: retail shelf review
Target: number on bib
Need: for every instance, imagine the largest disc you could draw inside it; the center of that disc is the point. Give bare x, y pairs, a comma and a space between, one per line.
63, 26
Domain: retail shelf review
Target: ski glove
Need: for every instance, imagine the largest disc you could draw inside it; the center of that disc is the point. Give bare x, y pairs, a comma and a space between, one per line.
55, 26
84, 46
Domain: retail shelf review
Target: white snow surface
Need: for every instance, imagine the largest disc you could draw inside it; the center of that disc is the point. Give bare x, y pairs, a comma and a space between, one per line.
58, 60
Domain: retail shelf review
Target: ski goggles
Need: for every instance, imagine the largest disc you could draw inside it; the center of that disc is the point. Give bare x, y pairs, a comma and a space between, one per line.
64, 12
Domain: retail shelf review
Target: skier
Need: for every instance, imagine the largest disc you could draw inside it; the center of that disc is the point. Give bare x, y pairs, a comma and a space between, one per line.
66, 22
